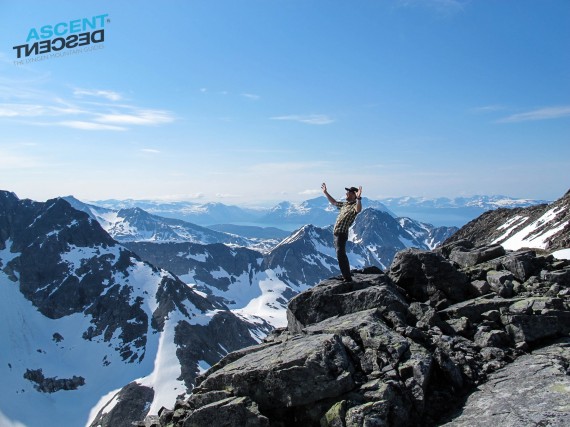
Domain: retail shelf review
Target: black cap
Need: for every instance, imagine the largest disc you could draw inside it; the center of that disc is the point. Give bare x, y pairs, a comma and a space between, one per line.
353, 189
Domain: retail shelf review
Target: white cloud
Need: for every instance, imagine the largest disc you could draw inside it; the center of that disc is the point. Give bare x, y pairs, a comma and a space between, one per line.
546, 113
150, 150
75, 111
14, 110
227, 196
21, 110
251, 96
310, 192
311, 119
108, 94
137, 117
488, 109
83, 125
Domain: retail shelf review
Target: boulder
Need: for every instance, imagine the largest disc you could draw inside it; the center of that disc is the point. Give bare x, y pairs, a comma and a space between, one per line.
469, 258
522, 265
428, 276
501, 282
297, 372
561, 277
480, 287
333, 297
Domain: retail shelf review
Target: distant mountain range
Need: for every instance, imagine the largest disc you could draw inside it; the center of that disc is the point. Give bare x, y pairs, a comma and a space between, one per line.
319, 212
484, 202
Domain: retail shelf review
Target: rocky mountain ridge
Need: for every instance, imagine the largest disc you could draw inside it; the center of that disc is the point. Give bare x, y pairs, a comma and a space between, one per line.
544, 226
404, 347
136, 225
82, 316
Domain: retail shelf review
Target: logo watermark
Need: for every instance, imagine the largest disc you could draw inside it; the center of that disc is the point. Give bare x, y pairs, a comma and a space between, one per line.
62, 39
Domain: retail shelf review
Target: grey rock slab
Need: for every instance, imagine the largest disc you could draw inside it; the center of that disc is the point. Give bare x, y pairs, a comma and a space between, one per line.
298, 372
332, 297
230, 412
532, 391
474, 309
475, 256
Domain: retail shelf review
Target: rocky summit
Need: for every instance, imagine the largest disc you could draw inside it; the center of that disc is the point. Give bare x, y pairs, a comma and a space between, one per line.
457, 336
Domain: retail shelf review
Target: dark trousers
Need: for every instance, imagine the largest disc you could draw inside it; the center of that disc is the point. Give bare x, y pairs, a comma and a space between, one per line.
340, 246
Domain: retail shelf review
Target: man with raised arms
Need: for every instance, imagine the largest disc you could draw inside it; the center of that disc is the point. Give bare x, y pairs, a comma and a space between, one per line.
346, 216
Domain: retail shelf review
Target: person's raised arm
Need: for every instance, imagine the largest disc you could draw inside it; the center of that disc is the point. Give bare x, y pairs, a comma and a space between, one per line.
327, 195
359, 199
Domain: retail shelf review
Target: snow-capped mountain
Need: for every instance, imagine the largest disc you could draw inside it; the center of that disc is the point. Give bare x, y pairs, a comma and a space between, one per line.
317, 211
383, 235
441, 211
82, 316
197, 213
545, 226
480, 201
457, 211
135, 225
250, 282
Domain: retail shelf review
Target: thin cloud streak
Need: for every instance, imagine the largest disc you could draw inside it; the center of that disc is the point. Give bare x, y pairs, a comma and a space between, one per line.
546, 113
251, 96
313, 192
312, 119
488, 109
139, 117
82, 125
108, 94
80, 112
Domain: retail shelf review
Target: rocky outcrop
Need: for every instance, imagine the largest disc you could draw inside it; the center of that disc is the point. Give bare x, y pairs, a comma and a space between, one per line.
52, 385
404, 347
130, 403
540, 381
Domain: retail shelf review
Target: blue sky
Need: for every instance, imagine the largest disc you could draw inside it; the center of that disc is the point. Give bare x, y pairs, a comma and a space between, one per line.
259, 101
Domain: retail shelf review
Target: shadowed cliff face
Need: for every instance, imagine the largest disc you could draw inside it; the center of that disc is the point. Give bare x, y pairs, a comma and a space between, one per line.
400, 347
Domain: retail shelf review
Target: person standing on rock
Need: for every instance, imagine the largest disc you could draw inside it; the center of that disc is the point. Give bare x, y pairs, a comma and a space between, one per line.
346, 216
